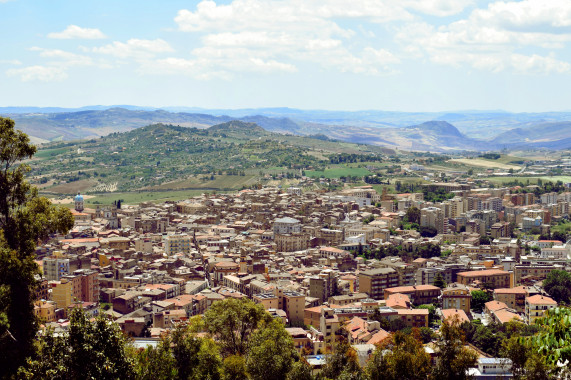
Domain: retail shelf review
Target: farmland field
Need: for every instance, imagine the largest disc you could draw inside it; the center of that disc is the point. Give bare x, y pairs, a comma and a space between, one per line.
337, 172
482, 163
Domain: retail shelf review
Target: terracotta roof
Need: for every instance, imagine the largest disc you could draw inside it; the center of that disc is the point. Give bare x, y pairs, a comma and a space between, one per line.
485, 272
495, 305
450, 313
505, 316
540, 300
378, 337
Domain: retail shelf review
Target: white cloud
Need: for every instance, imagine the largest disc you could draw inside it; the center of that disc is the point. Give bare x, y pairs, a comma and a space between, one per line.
439, 8
134, 48
64, 58
77, 32
38, 73
505, 36
10, 62
269, 36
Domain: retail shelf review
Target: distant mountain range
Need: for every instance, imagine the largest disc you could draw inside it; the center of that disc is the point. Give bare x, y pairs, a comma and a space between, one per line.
472, 130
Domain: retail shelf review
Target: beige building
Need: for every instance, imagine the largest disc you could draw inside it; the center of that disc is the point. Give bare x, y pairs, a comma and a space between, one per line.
45, 311
535, 307
267, 300
62, 293
177, 244
514, 298
456, 296
494, 277
419, 294
291, 242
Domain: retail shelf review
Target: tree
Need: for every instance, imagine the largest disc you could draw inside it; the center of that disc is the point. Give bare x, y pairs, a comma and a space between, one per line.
428, 231
479, 298
90, 350
559, 236
484, 240
405, 360
25, 219
553, 340
439, 281
232, 322
185, 350
454, 359
344, 358
271, 352
413, 215
156, 362
300, 371
515, 350
234, 368
558, 285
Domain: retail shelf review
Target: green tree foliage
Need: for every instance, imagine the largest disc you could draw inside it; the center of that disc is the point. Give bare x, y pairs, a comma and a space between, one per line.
559, 236
479, 298
156, 363
25, 219
232, 322
558, 285
553, 341
344, 358
300, 371
484, 240
453, 358
413, 215
271, 352
428, 231
91, 350
405, 360
436, 195
439, 281
234, 368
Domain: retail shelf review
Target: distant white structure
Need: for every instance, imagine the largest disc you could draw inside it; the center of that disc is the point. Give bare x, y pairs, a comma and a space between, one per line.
78, 202
294, 190
287, 226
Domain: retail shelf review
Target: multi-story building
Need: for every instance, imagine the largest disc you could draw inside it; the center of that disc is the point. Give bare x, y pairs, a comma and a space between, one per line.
419, 294
293, 303
333, 237
434, 217
177, 244
45, 311
456, 296
291, 242
495, 278
501, 229
512, 297
62, 293
89, 285
548, 198
375, 281
535, 307
54, 268
536, 272
323, 285
406, 272
287, 226
556, 252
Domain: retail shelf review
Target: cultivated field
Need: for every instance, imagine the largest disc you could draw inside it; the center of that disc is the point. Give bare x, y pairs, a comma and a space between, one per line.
482, 163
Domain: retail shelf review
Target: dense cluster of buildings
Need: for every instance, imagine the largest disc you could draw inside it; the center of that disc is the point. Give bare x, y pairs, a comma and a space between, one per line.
301, 255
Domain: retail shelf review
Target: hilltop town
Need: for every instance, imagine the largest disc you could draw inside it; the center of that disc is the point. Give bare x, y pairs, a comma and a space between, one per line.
350, 262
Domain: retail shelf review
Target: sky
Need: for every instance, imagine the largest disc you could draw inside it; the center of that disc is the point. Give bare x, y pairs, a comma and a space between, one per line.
393, 55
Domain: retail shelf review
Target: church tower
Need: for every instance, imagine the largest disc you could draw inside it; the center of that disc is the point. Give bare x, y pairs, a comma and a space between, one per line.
78, 203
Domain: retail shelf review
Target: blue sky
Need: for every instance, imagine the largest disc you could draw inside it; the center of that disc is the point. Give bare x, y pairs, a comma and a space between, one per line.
402, 55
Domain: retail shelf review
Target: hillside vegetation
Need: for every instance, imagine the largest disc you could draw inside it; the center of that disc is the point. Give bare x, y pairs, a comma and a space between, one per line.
163, 157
